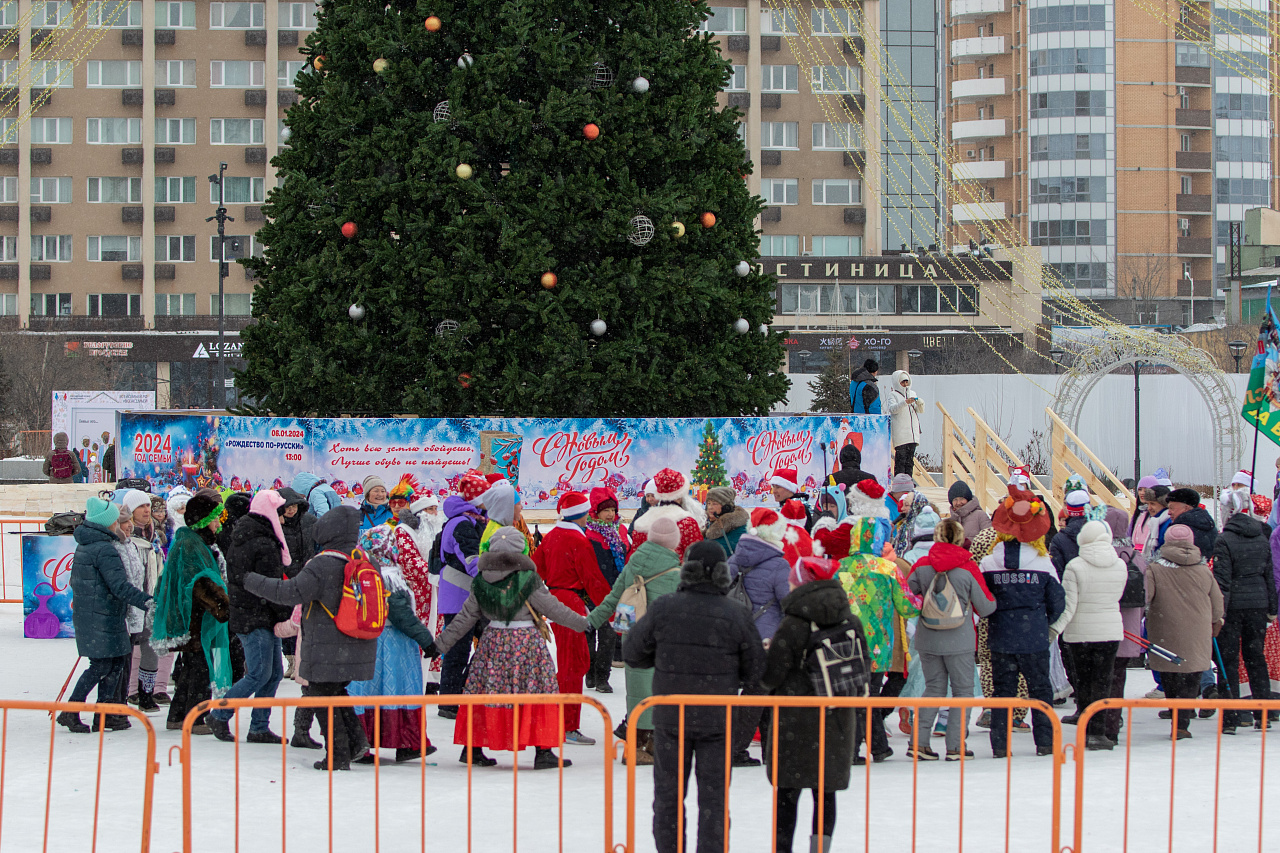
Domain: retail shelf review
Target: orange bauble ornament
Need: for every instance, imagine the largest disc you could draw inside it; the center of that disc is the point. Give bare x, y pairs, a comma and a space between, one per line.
708, 220
349, 230
433, 24
549, 280
591, 131
318, 62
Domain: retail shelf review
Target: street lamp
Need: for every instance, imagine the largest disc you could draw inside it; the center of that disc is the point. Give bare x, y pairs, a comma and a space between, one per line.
914, 353
1057, 355
1237, 349
1186, 273
222, 219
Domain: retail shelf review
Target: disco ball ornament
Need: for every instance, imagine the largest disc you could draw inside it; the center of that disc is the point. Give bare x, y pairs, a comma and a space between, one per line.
764, 329
598, 327
432, 24
601, 76
464, 171
741, 326
549, 280
743, 269
447, 327
466, 61
678, 228
349, 230
441, 112
640, 85
641, 230
380, 65
356, 311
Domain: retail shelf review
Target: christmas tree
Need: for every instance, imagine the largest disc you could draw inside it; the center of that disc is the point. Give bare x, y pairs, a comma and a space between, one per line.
709, 470
831, 389
532, 207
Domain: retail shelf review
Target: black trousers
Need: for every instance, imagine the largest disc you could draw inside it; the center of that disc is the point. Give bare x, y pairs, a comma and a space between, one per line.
601, 641
456, 662
747, 720
880, 686
904, 459
1095, 668
106, 674
347, 740
191, 685
1182, 685
1243, 632
703, 753
789, 803
1005, 669
1119, 674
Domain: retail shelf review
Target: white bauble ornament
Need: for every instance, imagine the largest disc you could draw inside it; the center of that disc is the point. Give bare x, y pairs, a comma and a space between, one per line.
641, 230
356, 311
285, 133
598, 327
441, 112
640, 85
764, 329
466, 61
743, 269
741, 326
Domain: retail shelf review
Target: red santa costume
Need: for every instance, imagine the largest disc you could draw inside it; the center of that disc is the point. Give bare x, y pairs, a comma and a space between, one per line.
675, 503
567, 564
796, 541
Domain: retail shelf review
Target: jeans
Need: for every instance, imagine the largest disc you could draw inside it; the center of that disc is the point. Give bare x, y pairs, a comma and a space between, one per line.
103, 673
1243, 631
1005, 669
1182, 685
941, 671
1094, 667
904, 459
455, 662
263, 669
789, 802
705, 752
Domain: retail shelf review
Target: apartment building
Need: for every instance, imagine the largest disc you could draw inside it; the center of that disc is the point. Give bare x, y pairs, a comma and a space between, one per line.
106, 189
1108, 134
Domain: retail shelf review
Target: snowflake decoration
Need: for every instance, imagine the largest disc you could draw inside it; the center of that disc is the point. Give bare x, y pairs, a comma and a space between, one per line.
641, 230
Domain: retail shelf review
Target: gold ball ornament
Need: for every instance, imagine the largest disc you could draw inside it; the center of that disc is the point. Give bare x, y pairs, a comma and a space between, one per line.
318, 62
549, 280
464, 171
433, 24
380, 65
678, 227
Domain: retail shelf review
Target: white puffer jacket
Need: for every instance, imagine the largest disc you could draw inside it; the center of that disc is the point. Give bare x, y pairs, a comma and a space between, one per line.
1093, 583
904, 411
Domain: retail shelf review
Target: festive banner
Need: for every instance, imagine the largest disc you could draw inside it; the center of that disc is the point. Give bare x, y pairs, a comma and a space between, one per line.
544, 456
46, 586
89, 420
1262, 400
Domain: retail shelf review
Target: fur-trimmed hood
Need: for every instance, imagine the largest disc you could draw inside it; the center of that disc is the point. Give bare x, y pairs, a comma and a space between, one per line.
496, 565
738, 517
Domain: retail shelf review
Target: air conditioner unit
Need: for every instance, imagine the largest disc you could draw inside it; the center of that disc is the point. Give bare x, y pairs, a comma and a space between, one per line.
971, 154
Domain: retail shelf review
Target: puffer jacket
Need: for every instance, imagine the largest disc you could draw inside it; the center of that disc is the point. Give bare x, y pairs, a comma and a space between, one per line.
1092, 586
1063, 547
328, 655
765, 582
320, 495
1203, 529
254, 548
864, 393
102, 593
1242, 565
904, 412
459, 548
1029, 598
851, 473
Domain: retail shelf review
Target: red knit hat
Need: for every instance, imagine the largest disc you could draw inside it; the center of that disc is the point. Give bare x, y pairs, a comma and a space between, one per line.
572, 505
835, 541
797, 543
669, 484
809, 569
493, 477
793, 512
472, 486
788, 478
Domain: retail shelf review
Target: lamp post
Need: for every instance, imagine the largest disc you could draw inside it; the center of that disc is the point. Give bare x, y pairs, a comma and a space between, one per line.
1186, 273
1137, 422
222, 219
1057, 356
1237, 349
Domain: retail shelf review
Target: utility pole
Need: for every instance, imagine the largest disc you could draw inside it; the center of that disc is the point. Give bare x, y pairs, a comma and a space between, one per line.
222, 220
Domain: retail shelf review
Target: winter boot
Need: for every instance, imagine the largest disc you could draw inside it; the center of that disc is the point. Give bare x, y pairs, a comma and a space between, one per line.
263, 737
478, 758
820, 844
288, 670
72, 722
403, 755
323, 764
113, 722
147, 704
221, 729
644, 748
545, 759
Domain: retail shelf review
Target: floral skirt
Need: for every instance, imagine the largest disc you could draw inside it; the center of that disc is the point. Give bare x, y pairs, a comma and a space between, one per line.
510, 661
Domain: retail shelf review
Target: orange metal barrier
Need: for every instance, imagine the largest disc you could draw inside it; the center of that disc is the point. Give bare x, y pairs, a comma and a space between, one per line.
371, 837
773, 703
1241, 764
11, 555
115, 781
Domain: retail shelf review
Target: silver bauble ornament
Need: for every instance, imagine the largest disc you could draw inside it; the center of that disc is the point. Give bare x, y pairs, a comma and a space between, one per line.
285, 133
598, 327
601, 76
466, 61
764, 329
356, 311
741, 326
743, 269
641, 230
441, 112
640, 85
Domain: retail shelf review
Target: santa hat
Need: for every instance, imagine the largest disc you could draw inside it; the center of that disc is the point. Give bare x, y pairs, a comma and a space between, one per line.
1243, 477
493, 477
1261, 507
472, 486
1020, 476
809, 569
573, 505
793, 512
669, 485
834, 540
424, 503
787, 478
797, 544
866, 500
768, 525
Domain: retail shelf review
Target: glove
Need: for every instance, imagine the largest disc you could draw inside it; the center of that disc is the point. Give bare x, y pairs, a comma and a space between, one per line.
285, 629
430, 651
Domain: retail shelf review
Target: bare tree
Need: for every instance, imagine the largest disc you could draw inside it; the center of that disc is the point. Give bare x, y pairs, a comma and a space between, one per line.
1140, 282
33, 367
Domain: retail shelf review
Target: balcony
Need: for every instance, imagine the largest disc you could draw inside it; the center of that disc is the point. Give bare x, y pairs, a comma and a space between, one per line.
977, 89
1194, 203
965, 10
1192, 118
1193, 74
980, 170
986, 211
983, 128
1195, 246
977, 49
1200, 160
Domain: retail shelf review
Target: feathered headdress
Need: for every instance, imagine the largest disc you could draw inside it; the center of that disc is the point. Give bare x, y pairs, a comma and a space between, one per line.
406, 489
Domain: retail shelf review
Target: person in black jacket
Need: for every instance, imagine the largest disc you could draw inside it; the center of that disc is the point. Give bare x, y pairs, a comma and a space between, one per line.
851, 473
1184, 508
299, 535
257, 547
1243, 569
697, 641
1063, 547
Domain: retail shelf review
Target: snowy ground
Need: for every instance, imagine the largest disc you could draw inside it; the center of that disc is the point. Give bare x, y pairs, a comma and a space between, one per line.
548, 805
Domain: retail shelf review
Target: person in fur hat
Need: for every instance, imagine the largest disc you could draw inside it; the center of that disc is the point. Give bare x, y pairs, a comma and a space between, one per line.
726, 523
674, 502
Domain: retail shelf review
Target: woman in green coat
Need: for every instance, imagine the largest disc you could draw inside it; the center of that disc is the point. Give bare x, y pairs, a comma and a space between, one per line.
655, 562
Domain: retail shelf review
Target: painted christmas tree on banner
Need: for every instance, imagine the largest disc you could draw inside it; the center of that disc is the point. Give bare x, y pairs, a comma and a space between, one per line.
709, 470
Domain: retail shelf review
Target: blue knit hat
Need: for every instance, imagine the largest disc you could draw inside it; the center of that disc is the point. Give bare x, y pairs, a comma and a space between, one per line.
98, 511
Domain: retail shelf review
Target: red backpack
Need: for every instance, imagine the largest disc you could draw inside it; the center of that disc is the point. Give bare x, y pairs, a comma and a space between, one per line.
62, 465
363, 611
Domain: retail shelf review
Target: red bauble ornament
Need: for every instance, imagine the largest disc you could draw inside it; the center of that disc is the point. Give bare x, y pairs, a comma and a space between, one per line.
708, 219
549, 280
464, 379
591, 131
433, 24
349, 230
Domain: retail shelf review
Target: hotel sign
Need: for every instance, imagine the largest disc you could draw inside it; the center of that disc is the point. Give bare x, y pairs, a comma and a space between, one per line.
886, 268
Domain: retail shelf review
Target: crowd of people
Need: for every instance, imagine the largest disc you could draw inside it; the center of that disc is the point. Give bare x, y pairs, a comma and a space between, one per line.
232, 594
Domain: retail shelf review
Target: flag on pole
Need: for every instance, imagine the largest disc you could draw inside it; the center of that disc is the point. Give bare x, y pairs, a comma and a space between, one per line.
1262, 400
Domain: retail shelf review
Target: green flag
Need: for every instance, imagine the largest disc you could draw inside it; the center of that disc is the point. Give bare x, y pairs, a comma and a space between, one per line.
1262, 399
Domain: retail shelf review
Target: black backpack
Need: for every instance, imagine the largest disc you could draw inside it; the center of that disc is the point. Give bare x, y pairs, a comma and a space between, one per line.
738, 592
837, 662
139, 483
435, 562
63, 523
1135, 588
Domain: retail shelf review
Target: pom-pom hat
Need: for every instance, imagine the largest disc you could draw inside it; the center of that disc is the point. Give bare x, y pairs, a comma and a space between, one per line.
808, 569
835, 541
768, 525
1021, 515
793, 512
787, 478
471, 486
99, 511
573, 505
866, 500
669, 485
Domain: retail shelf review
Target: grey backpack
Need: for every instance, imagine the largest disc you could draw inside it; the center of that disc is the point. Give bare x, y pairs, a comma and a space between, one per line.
942, 609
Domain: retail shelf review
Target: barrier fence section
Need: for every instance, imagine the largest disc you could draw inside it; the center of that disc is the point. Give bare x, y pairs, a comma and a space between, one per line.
770, 756
11, 555
1148, 779
22, 785
433, 801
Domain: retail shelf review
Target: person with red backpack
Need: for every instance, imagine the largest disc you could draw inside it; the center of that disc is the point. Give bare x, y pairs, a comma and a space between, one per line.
61, 465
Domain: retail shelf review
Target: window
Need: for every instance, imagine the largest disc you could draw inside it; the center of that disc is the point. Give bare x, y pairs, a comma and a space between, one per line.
1069, 60
51, 190
778, 22
239, 191
835, 136
236, 75
1082, 232
1185, 142
115, 13
8, 304
114, 304
9, 72
868, 298
9, 194
939, 299
780, 134
8, 131
1062, 104
175, 131
116, 248
780, 190
9, 14
234, 304
51, 247
1240, 106
287, 73
835, 79
1186, 184
51, 304
1191, 54
174, 304
54, 73
737, 79
1083, 276
1247, 191
114, 73
807, 298
114, 131
297, 16
237, 16
1068, 190
9, 246
1186, 270
1047, 19
235, 131
837, 191
1069, 146
780, 78
51, 131
175, 15
726, 19
115, 191
237, 246
1242, 148
175, 72
54, 13
175, 249
834, 22
838, 246
175, 190
779, 245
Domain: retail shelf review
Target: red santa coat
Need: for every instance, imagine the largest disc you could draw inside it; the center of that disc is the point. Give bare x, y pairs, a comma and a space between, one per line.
690, 530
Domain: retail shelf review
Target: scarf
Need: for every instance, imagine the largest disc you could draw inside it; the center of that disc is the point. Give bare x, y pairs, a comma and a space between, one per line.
502, 601
609, 532
190, 559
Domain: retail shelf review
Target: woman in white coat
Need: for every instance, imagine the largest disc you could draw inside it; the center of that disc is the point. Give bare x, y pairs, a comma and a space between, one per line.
904, 422
1091, 626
